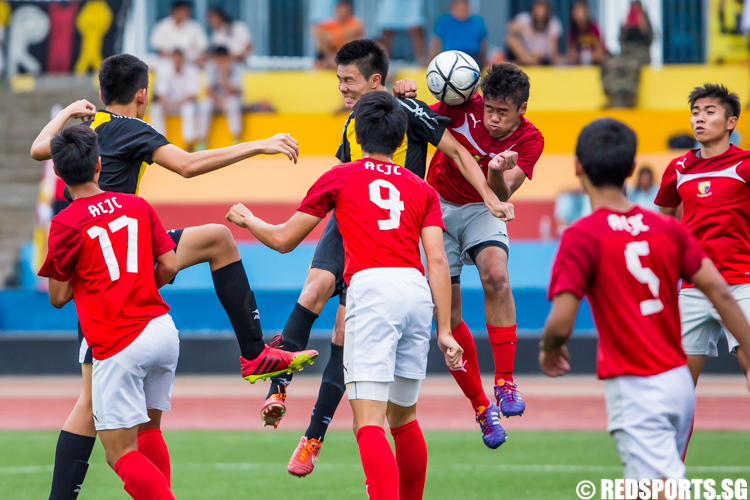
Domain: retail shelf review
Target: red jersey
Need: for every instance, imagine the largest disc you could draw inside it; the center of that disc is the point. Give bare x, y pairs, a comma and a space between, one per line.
468, 128
106, 245
381, 209
715, 198
628, 264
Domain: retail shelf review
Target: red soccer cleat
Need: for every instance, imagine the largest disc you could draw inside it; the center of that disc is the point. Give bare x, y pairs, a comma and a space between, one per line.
274, 408
273, 361
303, 460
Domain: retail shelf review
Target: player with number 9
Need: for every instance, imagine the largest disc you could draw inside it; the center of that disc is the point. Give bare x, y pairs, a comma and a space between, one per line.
629, 261
102, 250
382, 209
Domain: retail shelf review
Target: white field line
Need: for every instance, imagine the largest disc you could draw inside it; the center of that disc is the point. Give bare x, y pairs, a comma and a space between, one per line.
265, 466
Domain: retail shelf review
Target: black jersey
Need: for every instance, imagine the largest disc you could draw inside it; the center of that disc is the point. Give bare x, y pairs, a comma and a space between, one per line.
126, 147
424, 126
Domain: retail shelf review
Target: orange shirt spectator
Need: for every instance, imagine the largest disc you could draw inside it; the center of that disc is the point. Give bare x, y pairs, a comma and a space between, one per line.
332, 34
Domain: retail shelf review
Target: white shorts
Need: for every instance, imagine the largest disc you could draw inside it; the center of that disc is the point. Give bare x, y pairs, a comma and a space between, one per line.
136, 379
467, 226
402, 391
701, 325
650, 420
388, 325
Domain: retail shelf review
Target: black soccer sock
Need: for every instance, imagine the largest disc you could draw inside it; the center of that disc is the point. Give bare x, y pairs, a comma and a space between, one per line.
71, 463
331, 391
238, 301
296, 335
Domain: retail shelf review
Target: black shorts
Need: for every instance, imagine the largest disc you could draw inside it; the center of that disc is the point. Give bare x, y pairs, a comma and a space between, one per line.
329, 256
175, 234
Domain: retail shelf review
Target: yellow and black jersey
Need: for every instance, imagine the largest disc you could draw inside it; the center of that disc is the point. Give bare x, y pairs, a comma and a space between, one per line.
424, 126
126, 147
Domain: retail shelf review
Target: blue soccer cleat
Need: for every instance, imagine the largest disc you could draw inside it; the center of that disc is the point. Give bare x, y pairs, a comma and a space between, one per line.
493, 433
508, 399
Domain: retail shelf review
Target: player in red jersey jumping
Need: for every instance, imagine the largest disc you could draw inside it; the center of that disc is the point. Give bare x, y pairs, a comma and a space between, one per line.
493, 128
101, 253
712, 183
628, 261
382, 209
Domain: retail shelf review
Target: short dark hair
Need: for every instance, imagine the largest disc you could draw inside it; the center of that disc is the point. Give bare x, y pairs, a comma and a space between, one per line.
729, 100
368, 55
120, 77
181, 3
74, 153
506, 81
221, 13
220, 51
606, 149
380, 122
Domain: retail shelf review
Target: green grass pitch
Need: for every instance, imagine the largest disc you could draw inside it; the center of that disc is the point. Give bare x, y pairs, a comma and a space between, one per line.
252, 465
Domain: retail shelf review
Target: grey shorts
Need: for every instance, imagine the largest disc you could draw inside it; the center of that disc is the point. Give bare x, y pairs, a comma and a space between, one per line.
467, 226
701, 325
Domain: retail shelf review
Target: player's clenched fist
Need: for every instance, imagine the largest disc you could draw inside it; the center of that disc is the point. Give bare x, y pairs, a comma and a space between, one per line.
554, 363
405, 88
281, 143
502, 210
238, 214
452, 351
504, 161
82, 109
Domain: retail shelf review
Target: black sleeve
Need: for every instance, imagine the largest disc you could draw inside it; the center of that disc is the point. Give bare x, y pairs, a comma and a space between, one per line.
344, 153
138, 140
424, 123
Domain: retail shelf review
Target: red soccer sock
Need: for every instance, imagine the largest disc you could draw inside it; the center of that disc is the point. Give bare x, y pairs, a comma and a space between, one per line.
151, 444
141, 478
469, 379
503, 341
411, 457
381, 471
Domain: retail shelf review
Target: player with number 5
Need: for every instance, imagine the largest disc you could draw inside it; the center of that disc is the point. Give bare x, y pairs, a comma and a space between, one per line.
629, 261
382, 209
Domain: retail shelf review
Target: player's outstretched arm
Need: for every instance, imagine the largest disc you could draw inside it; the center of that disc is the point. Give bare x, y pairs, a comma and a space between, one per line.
60, 292
472, 172
709, 281
166, 268
80, 109
188, 165
504, 176
554, 358
281, 237
440, 285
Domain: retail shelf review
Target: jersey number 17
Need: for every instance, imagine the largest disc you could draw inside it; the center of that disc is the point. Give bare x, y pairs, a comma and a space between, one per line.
110, 259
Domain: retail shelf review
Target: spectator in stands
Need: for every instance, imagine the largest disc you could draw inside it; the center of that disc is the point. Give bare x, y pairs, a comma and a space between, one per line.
175, 93
235, 36
621, 74
179, 32
403, 15
584, 44
332, 34
223, 95
570, 206
460, 30
645, 190
534, 37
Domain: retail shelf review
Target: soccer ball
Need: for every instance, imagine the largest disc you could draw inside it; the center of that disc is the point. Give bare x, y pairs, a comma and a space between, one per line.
453, 77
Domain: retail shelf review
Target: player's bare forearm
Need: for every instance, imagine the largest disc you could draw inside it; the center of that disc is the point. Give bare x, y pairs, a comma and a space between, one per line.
710, 282
280, 237
496, 182
668, 211
438, 272
189, 165
560, 322
60, 293
40, 149
166, 268
466, 164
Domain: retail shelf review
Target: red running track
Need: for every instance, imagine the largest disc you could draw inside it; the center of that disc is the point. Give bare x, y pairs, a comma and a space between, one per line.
229, 403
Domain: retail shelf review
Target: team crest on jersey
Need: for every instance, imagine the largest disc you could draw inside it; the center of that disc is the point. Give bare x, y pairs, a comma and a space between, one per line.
704, 189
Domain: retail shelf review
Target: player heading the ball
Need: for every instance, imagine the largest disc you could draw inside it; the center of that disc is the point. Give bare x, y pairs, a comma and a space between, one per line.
101, 253
383, 209
629, 262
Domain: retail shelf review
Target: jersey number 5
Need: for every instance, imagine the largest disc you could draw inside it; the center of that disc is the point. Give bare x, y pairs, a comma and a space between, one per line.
633, 253
393, 203
113, 266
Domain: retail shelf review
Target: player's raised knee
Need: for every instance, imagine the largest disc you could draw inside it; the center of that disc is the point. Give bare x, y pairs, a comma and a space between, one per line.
495, 280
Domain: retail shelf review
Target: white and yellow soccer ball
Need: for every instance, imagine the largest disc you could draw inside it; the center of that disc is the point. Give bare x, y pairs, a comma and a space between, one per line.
453, 77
